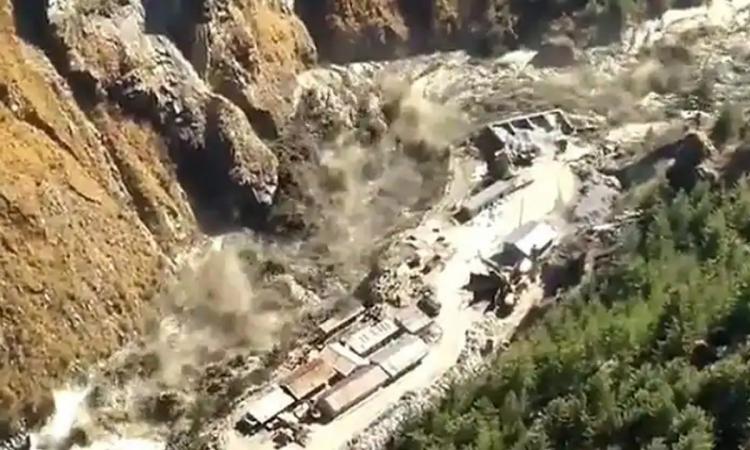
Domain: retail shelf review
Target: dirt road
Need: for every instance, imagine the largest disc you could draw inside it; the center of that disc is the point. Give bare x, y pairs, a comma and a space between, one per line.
554, 186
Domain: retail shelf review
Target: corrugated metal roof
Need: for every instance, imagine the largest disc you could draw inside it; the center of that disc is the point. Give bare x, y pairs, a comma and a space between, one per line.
340, 318
366, 339
268, 403
352, 390
537, 235
342, 359
413, 319
400, 355
308, 378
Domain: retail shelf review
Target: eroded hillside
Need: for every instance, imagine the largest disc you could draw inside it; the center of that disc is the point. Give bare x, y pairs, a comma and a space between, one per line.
116, 142
134, 128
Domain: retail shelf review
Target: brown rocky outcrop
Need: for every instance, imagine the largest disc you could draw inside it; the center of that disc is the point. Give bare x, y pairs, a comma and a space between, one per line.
116, 137
79, 256
349, 30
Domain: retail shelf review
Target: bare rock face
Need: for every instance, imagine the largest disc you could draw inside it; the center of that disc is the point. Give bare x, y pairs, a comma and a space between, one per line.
127, 127
211, 141
87, 222
347, 30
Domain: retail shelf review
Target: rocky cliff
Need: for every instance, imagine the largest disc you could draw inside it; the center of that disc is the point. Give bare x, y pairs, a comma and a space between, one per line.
128, 128
347, 30
132, 127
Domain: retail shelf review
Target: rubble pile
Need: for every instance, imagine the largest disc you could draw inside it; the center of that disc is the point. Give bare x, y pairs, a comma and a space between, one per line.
403, 268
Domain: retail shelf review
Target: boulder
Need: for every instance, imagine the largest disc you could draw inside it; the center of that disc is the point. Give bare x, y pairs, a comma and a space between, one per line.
688, 166
559, 51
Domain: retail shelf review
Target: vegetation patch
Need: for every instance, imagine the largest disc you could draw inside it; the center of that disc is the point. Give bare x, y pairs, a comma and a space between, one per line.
653, 353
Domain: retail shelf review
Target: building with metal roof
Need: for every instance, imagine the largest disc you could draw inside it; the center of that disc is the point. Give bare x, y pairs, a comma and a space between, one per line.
341, 319
268, 403
351, 391
412, 319
308, 378
400, 355
343, 360
367, 339
535, 237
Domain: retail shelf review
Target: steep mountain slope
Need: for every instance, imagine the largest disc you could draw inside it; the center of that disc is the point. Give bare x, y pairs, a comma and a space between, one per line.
113, 145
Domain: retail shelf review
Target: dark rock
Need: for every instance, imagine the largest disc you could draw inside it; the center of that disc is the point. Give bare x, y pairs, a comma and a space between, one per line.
558, 51
691, 151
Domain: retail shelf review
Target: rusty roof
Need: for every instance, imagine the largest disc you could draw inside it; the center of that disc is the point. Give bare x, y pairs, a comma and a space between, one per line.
308, 378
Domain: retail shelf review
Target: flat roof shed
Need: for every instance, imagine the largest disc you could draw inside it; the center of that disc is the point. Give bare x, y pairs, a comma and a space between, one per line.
268, 403
308, 378
351, 391
413, 319
343, 360
401, 355
532, 236
367, 339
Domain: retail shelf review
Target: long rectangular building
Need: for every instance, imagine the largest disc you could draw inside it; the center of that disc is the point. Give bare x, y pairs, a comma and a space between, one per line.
367, 339
413, 319
268, 403
400, 355
351, 391
341, 319
308, 379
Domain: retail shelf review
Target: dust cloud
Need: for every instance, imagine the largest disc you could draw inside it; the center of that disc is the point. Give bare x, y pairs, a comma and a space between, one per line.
219, 306
224, 303
368, 191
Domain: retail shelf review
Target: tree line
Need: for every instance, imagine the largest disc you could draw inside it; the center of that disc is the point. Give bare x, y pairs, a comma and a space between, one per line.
652, 353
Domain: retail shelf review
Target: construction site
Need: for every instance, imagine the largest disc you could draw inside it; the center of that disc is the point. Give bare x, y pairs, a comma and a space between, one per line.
427, 213
363, 355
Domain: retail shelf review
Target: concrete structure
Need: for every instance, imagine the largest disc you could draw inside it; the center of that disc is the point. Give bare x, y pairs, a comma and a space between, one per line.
482, 199
341, 319
413, 319
400, 355
509, 141
527, 242
351, 391
267, 404
309, 378
534, 237
343, 360
367, 339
